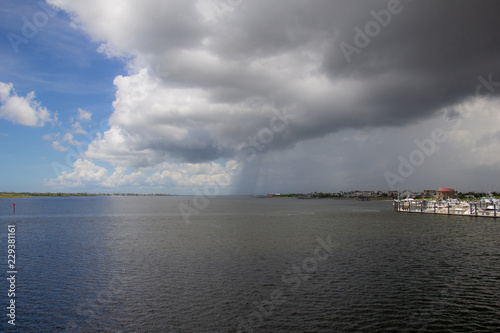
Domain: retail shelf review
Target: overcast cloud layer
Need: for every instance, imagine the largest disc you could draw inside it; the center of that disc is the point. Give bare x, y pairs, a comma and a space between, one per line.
269, 83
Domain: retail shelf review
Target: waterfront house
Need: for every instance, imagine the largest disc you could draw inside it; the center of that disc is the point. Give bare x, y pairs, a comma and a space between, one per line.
445, 193
393, 194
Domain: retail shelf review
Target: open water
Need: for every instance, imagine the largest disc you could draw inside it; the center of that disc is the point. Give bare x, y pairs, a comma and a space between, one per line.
136, 264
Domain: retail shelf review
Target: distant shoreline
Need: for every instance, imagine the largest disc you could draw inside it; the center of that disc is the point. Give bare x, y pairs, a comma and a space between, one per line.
328, 198
17, 195
22, 195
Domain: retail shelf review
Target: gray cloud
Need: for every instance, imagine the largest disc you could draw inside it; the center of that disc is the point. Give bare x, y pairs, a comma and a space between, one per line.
288, 56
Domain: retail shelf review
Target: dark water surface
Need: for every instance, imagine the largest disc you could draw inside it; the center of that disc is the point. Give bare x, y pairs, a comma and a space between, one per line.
133, 264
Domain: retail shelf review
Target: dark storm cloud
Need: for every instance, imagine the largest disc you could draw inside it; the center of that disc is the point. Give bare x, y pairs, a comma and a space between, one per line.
427, 55
329, 65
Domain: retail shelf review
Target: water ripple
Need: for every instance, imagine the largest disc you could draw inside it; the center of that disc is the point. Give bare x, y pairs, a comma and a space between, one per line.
135, 266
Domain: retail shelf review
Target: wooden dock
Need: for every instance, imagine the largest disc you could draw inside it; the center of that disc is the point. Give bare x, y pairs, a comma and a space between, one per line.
463, 208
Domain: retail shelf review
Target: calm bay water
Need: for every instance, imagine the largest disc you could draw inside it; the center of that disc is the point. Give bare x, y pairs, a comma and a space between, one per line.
133, 264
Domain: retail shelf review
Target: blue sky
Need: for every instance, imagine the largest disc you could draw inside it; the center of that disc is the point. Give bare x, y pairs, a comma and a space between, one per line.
62, 67
247, 97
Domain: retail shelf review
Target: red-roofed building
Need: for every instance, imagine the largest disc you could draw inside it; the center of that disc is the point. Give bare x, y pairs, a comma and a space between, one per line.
445, 193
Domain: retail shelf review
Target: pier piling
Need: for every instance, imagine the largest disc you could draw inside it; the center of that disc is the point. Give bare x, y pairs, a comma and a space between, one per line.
463, 208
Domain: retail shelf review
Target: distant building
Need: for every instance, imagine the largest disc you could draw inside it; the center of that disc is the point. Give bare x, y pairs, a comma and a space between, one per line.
445, 193
393, 194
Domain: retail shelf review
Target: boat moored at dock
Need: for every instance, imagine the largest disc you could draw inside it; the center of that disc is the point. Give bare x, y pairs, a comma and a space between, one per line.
488, 207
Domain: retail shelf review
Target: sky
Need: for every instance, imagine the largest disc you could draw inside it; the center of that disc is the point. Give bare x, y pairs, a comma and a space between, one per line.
249, 97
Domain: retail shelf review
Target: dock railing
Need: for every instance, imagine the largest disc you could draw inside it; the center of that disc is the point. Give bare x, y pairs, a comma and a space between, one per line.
465, 208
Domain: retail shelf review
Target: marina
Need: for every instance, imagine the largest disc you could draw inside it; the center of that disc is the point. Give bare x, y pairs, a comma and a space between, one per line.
486, 207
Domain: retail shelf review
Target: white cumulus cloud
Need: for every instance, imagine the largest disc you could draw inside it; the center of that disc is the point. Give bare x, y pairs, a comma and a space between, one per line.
84, 115
205, 81
84, 173
173, 175
23, 110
